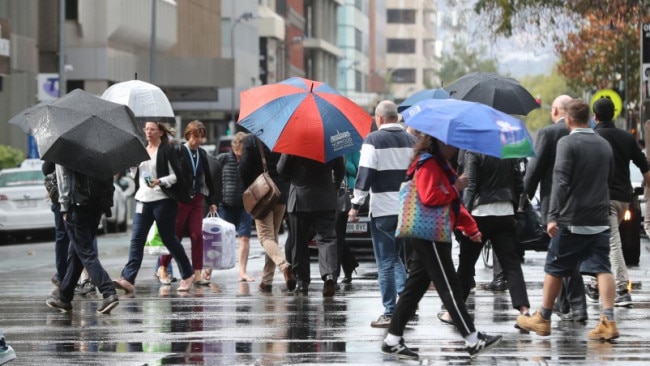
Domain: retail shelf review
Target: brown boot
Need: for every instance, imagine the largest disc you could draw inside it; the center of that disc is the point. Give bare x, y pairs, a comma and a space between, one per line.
605, 330
535, 324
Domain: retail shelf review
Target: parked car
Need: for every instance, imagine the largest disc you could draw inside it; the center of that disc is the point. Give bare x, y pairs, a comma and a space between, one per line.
357, 234
24, 203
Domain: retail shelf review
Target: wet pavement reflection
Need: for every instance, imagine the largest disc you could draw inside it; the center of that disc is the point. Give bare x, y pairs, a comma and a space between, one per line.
232, 323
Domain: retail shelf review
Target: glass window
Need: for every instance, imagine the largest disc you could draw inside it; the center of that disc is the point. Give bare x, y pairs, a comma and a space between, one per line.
401, 16
400, 45
403, 76
22, 178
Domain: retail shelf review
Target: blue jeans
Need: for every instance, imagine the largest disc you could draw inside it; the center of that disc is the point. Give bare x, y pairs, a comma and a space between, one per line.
392, 274
163, 212
61, 243
81, 224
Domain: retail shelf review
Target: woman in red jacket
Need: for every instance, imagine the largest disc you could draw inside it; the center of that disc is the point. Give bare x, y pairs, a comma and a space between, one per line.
437, 184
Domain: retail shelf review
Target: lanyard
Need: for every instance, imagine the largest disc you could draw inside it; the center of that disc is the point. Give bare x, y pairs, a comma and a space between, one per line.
195, 164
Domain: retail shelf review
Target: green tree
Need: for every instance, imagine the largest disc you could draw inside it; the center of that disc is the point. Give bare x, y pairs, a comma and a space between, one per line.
546, 88
10, 157
463, 60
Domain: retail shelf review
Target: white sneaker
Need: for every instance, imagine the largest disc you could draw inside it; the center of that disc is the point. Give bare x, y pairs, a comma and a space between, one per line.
7, 355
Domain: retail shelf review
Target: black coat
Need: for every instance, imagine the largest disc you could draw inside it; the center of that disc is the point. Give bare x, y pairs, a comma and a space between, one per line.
313, 184
250, 166
625, 149
540, 169
491, 180
187, 172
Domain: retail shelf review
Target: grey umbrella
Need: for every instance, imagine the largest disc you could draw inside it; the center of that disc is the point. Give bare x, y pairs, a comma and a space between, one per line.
19, 119
499, 92
88, 134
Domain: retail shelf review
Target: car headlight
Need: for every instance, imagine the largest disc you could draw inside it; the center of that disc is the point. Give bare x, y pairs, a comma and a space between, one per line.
627, 216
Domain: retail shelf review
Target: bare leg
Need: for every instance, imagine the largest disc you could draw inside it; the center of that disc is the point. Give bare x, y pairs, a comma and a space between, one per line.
244, 249
552, 287
606, 289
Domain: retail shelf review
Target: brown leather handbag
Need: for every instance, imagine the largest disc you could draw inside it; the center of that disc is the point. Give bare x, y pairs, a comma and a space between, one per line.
260, 197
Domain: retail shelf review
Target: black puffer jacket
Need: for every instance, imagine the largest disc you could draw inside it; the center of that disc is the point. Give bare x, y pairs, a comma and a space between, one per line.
232, 185
491, 180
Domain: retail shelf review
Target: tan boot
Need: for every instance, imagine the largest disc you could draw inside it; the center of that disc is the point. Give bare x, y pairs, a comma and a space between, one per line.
605, 330
535, 324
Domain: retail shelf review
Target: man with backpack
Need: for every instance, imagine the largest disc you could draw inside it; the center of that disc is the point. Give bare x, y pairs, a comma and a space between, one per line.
83, 201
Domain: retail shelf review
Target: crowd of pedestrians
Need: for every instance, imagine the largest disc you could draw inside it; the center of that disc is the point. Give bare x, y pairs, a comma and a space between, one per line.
180, 183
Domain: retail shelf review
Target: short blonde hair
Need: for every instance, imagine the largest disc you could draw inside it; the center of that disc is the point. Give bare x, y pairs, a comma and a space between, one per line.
238, 138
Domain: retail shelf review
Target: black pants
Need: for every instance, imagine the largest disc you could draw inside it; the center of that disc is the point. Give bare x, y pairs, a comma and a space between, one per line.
303, 225
431, 262
347, 261
501, 231
81, 224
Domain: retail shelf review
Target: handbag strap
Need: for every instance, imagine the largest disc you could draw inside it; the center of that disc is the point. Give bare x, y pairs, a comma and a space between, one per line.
259, 145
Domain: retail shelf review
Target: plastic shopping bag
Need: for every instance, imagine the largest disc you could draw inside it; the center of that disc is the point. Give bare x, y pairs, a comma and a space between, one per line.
219, 243
154, 244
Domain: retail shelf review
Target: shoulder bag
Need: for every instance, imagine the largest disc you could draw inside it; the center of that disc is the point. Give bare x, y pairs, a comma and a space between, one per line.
260, 197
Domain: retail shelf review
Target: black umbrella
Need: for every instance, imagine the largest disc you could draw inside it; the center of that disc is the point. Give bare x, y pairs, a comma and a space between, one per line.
499, 92
19, 119
88, 134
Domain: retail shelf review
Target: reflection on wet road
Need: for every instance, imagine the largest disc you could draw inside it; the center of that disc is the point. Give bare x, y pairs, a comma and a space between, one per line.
231, 323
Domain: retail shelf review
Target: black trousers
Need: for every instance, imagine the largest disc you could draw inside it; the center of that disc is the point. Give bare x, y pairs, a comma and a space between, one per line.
81, 224
303, 225
346, 259
501, 231
431, 262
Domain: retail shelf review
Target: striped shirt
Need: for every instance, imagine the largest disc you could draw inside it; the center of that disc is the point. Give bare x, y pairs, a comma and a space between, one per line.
385, 156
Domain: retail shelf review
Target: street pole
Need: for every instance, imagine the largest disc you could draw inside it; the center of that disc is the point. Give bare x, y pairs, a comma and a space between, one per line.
152, 45
62, 81
244, 16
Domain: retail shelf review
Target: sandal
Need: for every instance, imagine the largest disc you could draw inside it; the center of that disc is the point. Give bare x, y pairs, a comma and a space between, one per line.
163, 276
207, 274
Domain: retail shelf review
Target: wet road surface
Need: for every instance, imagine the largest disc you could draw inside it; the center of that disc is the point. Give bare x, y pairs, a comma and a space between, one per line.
231, 323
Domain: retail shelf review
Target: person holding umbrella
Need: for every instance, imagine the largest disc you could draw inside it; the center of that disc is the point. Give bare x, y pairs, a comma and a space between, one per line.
437, 184
156, 202
83, 201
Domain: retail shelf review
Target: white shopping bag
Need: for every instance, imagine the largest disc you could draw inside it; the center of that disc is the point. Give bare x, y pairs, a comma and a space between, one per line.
219, 243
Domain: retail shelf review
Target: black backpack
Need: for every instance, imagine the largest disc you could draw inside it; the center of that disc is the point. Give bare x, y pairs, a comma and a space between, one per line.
93, 192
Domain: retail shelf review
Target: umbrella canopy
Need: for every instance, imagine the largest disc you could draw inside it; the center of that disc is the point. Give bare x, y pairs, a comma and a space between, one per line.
20, 120
423, 95
305, 118
88, 134
499, 92
147, 101
471, 126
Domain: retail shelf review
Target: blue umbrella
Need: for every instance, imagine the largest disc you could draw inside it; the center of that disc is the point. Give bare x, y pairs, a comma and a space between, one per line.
471, 126
423, 95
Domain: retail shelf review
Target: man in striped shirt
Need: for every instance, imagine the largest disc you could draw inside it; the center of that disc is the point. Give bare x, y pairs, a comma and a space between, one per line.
385, 156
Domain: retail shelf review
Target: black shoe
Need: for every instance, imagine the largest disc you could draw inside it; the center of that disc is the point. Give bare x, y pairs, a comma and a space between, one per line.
347, 280
109, 304
57, 303
302, 288
329, 287
485, 343
399, 350
84, 288
265, 288
497, 285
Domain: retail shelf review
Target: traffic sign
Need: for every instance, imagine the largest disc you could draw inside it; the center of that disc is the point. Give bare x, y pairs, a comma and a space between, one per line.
615, 98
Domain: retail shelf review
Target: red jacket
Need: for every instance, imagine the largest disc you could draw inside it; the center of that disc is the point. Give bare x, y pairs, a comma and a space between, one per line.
435, 189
